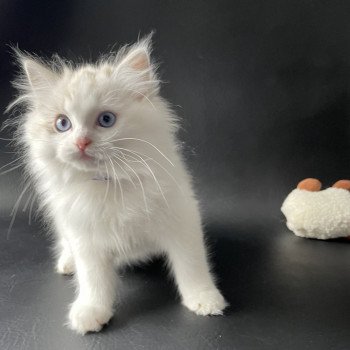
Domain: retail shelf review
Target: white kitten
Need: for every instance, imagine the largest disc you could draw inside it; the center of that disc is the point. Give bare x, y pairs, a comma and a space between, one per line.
99, 144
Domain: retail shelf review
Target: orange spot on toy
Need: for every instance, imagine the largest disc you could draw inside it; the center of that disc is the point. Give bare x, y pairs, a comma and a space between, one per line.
310, 184
345, 184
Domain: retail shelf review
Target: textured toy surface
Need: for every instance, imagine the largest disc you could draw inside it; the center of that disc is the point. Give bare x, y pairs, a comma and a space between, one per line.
313, 213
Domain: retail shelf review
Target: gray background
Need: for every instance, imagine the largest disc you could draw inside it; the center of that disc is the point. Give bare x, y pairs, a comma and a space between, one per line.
262, 88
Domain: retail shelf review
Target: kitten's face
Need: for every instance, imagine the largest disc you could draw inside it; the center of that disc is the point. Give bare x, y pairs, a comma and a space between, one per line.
87, 117
81, 116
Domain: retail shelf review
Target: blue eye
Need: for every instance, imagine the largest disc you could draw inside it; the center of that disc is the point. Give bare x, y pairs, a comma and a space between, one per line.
106, 119
63, 123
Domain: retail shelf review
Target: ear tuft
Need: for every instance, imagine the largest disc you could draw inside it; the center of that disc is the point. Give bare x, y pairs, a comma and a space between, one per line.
37, 73
140, 61
133, 66
138, 55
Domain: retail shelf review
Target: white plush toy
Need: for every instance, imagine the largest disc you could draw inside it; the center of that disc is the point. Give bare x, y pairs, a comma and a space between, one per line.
313, 213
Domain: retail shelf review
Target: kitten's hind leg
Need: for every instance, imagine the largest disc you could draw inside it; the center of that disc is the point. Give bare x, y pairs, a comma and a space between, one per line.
65, 261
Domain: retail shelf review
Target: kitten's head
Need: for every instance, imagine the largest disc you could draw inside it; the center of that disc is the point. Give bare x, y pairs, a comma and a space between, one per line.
84, 116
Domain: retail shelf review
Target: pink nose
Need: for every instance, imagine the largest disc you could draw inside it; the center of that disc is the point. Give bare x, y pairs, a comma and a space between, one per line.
82, 143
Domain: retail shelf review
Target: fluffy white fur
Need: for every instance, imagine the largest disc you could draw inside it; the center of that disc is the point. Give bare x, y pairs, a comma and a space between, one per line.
132, 199
323, 214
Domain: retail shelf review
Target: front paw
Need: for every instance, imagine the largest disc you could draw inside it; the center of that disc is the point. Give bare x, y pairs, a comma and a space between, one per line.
88, 318
65, 265
209, 302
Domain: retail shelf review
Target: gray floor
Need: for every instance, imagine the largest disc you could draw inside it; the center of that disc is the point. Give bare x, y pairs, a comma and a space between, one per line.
285, 293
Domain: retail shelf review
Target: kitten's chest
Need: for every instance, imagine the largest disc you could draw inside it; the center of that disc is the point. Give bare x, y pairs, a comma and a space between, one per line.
99, 214
102, 203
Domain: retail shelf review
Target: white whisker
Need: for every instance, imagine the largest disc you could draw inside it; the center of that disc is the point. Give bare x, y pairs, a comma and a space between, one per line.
4, 139
140, 182
107, 187
155, 179
149, 143
30, 211
153, 160
119, 183
125, 172
11, 169
15, 209
4, 166
27, 202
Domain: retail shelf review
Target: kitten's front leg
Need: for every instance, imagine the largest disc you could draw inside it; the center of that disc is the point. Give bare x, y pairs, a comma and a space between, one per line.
187, 255
65, 262
96, 279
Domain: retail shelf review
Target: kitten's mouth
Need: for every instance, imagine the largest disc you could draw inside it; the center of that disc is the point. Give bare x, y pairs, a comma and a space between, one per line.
85, 156
83, 161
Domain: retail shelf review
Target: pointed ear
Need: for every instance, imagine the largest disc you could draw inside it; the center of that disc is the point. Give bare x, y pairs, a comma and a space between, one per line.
135, 66
39, 76
137, 57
